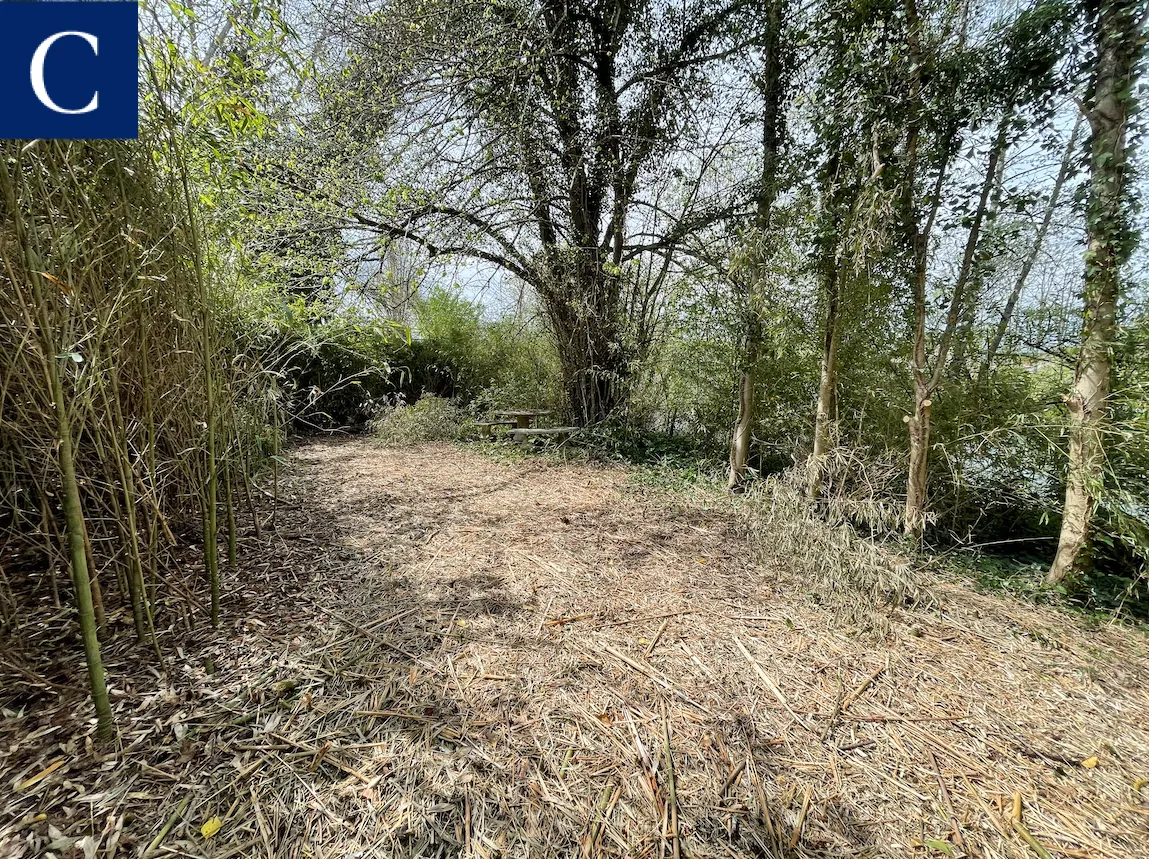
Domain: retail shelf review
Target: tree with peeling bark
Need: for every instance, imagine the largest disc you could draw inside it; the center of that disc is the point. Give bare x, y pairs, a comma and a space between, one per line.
1119, 37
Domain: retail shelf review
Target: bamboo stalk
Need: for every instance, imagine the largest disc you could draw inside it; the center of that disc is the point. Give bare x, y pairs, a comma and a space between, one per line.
73, 511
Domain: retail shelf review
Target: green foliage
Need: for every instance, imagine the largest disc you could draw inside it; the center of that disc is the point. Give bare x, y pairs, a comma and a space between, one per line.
334, 370
504, 362
1020, 575
1122, 543
336, 367
430, 419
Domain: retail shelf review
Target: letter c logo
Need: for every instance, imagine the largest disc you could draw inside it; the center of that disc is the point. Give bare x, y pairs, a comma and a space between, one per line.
38, 72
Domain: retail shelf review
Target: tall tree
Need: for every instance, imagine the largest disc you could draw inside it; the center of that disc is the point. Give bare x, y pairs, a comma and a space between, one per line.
1026, 51
1119, 35
839, 188
529, 135
773, 85
842, 121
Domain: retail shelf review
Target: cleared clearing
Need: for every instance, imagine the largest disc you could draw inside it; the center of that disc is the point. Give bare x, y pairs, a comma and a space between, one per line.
440, 654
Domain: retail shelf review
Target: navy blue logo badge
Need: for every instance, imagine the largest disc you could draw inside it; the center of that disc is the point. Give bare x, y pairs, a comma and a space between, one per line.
68, 70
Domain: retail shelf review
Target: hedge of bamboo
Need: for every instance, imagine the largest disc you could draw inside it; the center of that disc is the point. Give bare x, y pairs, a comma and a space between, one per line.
129, 412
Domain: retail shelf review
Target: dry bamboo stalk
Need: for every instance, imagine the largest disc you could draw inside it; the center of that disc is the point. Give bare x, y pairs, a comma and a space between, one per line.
672, 789
167, 828
654, 641
769, 683
800, 823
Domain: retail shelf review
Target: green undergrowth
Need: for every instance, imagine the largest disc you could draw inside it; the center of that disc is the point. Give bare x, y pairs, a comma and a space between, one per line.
845, 562
776, 517
1096, 598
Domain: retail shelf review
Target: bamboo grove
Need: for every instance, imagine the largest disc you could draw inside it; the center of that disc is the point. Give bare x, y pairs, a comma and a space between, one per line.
127, 408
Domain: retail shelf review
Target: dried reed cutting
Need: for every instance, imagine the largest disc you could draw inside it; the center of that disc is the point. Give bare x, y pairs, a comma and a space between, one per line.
489, 659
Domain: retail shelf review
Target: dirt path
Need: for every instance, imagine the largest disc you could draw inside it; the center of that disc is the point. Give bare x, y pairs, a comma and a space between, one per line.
486, 659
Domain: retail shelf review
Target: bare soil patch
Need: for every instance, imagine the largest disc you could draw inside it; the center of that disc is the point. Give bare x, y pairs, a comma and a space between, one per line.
436, 653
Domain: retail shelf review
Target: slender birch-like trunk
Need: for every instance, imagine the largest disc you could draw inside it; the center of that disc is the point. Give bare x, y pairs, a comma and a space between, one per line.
1120, 44
1030, 259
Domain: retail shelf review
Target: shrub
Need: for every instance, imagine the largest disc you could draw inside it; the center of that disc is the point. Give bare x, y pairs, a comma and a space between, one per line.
429, 419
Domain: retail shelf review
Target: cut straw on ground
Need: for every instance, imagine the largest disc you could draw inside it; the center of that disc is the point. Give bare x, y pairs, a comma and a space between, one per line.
407, 696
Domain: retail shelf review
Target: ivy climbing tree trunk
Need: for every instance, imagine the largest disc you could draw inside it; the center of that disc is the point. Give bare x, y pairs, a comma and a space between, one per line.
773, 85
1119, 28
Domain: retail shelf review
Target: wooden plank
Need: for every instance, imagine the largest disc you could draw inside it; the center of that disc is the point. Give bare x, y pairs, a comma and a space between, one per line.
537, 431
522, 436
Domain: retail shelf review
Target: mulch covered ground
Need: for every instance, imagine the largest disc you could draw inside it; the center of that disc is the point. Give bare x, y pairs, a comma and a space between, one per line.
438, 653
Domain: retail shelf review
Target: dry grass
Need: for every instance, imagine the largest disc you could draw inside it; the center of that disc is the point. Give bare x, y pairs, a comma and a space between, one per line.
487, 659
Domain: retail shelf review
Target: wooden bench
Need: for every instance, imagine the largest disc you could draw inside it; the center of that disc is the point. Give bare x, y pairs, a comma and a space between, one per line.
524, 435
488, 427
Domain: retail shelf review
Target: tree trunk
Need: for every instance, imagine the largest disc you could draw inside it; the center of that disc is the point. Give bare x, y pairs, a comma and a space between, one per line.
913, 518
740, 443
838, 189
827, 388
582, 307
926, 383
773, 85
994, 182
594, 392
1030, 259
1110, 244
969, 257
919, 429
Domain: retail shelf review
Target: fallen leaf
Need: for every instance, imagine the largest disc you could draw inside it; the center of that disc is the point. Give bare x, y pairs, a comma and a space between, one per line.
43, 774
1089, 763
89, 845
211, 827
941, 846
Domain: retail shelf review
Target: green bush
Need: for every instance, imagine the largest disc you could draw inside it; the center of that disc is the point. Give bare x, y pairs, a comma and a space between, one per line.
428, 420
501, 363
337, 368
